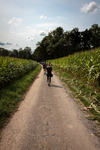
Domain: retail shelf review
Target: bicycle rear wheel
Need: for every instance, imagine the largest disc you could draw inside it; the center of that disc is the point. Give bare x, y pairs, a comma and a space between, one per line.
49, 81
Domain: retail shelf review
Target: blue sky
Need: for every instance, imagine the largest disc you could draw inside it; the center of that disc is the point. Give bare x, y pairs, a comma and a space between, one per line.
25, 22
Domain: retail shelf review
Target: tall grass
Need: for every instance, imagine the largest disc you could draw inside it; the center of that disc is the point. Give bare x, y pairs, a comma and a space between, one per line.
81, 72
11, 95
13, 68
84, 65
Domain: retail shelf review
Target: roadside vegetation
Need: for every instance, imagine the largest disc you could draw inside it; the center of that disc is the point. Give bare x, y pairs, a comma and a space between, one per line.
79, 68
13, 68
15, 78
81, 72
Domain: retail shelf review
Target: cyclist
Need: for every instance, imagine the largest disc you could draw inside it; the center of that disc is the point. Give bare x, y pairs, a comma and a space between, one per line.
49, 74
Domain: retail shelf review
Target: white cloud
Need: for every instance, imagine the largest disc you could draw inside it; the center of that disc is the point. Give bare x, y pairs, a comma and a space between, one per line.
60, 17
29, 36
49, 30
15, 21
3, 43
42, 33
31, 31
47, 25
17, 45
30, 39
92, 7
43, 17
12, 31
20, 34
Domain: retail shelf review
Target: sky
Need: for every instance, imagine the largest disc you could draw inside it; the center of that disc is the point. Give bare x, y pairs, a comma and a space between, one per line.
26, 22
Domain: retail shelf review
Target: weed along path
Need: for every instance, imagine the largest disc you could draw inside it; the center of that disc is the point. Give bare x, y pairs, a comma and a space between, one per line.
48, 119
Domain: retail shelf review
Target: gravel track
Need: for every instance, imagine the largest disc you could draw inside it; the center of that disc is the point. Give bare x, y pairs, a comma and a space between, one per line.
48, 119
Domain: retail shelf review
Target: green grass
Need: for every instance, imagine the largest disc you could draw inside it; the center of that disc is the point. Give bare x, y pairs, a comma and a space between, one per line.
11, 95
89, 96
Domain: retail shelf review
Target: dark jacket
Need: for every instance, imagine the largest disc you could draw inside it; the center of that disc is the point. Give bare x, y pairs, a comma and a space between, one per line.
49, 69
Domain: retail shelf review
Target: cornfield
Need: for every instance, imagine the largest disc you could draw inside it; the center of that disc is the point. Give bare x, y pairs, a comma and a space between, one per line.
13, 68
85, 65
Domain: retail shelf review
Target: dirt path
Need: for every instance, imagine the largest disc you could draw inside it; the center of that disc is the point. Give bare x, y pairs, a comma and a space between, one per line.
48, 119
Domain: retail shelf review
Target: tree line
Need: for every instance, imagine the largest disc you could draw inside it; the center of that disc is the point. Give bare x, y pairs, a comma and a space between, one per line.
59, 43
25, 53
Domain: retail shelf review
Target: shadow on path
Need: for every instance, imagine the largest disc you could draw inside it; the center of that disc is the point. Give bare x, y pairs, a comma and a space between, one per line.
56, 86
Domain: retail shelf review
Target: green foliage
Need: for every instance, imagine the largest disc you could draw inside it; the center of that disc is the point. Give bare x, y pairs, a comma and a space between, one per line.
25, 53
85, 65
13, 68
89, 96
12, 94
59, 43
84, 69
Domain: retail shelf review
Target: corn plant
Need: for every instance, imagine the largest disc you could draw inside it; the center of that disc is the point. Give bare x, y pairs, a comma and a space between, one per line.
13, 68
85, 65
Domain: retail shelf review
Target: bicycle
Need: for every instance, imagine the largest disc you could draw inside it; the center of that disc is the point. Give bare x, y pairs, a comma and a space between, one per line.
49, 80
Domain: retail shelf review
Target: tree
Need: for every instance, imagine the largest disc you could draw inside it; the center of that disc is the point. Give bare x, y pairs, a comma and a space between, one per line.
27, 52
56, 44
4, 52
16, 53
12, 54
95, 35
85, 40
68, 47
75, 39
20, 53
37, 55
59, 43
